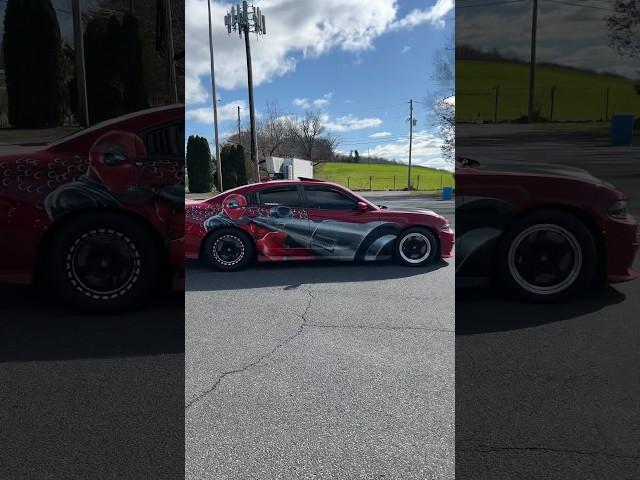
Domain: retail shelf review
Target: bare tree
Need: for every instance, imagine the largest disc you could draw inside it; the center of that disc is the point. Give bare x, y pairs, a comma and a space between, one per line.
624, 30
442, 99
624, 27
273, 130
312, 141
306, 131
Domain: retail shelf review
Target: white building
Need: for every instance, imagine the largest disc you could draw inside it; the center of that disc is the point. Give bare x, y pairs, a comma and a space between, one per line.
289, 168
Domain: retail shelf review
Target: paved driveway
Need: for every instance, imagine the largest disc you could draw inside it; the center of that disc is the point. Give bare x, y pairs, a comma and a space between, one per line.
320, 371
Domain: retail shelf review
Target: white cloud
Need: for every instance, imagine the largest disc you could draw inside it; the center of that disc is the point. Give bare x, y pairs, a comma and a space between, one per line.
380, 135
586, 47
301, 102
323, 102
349, 122
319, 103
228, 111
406, 49
295, 30
433, 15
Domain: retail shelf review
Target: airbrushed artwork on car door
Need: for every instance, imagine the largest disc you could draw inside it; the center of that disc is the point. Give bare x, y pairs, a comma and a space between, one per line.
283, 232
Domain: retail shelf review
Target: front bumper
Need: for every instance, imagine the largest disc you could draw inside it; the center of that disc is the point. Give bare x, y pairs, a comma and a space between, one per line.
623, 243
447, 243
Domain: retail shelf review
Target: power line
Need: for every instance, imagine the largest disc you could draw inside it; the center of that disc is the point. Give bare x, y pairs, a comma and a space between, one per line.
561, 2
348, 112
376, 142
504, 2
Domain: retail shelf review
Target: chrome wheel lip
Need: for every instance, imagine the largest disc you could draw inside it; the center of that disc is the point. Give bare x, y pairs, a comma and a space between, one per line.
77, 280
415, 236
551, 289
239, 244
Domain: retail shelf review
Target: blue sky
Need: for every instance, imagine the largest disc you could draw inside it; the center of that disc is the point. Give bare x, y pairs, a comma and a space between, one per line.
358, 62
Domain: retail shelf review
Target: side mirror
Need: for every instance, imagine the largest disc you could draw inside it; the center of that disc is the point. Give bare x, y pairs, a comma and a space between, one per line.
362, 207
114, 160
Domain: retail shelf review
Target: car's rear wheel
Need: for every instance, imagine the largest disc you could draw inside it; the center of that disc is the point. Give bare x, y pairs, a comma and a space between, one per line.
103, 263
228, 250
548, 256
416, 247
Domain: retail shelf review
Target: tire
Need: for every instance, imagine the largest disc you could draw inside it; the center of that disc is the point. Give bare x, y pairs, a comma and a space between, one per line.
240, 252
103, 264
548, 256
416, 247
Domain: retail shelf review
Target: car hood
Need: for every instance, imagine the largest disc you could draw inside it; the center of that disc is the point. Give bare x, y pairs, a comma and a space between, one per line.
422, 211
542, 169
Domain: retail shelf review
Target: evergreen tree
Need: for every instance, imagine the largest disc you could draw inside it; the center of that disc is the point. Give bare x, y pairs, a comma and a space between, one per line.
199, 168
234, 172
32, 50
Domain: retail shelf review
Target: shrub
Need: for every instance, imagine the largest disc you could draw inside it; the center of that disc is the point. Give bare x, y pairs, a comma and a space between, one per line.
32, 49
199, 169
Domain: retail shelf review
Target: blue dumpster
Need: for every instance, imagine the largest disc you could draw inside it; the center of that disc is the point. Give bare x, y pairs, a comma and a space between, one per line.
622, 129
447, 193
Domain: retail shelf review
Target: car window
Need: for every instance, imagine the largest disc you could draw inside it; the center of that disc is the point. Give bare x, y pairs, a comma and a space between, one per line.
327, 198
276, 196
166, 141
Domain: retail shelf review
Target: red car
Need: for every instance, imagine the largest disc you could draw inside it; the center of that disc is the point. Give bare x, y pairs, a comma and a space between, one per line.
544, 231
308, 220
98, 215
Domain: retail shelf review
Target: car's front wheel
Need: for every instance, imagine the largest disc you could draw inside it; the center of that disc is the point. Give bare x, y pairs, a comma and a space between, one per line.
103, 263
228, 250
548, 256
416, 247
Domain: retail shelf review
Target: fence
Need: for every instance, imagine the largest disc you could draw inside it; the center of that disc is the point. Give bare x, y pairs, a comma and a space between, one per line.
424, 183
553, 103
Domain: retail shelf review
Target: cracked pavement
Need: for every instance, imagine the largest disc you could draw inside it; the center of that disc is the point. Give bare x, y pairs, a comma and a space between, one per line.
320, 371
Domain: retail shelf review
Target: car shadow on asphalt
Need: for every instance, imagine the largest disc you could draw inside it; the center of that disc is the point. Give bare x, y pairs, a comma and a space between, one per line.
293, 274
507, 314
33, 328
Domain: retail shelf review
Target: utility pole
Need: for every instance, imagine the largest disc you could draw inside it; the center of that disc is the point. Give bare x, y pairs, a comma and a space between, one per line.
241, 21
410, 141
215, 102
81, 76
532, 64
252, 113
173, 85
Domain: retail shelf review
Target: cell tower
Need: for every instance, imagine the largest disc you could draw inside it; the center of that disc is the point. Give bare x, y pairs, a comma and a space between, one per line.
246, 19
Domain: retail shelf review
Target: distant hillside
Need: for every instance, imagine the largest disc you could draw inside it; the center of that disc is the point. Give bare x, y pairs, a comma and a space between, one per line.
362, 176
489, 90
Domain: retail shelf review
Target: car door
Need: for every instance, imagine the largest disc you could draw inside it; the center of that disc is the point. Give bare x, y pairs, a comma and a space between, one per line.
279, 220
338, 229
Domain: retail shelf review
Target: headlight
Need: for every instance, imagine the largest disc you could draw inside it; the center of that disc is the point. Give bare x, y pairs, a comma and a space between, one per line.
446, 226
619, 209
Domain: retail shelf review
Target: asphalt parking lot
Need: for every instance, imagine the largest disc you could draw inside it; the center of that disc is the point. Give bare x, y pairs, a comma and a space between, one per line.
321, 370
90, 397
549, 391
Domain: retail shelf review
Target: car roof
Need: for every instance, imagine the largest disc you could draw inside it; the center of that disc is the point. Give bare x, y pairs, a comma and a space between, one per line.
252, 187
